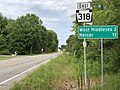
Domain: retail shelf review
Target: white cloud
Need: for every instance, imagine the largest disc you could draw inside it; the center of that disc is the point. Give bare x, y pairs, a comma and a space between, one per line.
21, 6
51, 19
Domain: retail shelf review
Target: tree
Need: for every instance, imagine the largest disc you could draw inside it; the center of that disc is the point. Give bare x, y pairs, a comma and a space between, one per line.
52, 40
63, 47
105, 12
26, 35
3, 35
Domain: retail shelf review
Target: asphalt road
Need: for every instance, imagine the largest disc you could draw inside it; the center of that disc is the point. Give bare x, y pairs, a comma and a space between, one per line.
18, 68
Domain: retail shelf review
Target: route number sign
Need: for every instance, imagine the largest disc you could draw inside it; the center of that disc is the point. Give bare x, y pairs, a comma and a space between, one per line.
84, 15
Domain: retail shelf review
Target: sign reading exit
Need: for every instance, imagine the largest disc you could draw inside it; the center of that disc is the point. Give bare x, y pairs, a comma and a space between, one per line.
98, 32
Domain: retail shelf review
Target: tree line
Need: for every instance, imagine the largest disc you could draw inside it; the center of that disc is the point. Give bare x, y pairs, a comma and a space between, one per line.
105, 12
26, 35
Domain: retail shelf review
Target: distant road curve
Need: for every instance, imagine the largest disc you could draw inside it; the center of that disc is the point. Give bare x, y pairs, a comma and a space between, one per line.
17, 68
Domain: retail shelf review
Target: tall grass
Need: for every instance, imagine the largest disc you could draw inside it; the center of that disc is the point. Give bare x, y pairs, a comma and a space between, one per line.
66, 73
50, 76
112, 82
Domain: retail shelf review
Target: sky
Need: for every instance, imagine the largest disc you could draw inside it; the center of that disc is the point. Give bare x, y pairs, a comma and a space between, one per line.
55, 14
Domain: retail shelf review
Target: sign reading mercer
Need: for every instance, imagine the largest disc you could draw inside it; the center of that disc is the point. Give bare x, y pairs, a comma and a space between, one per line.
98, 32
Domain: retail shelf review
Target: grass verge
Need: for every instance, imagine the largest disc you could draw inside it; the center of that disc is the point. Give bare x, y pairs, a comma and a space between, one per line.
56, 74
4, 57
111, 82
62, 73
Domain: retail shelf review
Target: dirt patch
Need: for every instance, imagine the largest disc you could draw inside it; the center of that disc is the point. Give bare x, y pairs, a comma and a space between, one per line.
66, 84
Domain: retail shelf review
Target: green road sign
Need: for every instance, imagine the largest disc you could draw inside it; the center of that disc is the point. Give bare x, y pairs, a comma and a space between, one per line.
98, 32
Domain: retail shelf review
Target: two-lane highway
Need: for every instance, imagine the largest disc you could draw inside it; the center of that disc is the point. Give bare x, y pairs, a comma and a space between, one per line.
14, 69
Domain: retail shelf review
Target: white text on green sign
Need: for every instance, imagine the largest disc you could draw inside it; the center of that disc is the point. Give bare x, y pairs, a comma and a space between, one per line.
98, 32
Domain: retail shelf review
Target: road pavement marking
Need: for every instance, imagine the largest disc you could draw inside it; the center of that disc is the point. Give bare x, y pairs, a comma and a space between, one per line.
23, 72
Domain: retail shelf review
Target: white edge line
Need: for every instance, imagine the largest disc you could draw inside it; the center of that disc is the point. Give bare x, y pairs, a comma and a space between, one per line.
23, 72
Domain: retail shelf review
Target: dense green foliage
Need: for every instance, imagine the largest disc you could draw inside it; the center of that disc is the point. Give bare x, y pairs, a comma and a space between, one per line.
63, 47
105, 12
26, 35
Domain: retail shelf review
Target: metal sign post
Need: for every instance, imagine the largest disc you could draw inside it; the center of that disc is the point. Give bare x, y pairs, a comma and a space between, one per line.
84, 45
102, 77
84, 14
97, 32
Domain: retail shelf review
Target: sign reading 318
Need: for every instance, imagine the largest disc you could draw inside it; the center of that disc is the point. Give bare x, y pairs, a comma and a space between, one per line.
84, 15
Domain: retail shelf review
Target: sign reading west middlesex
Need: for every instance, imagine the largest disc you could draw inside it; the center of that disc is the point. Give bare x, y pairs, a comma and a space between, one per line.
98, 32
